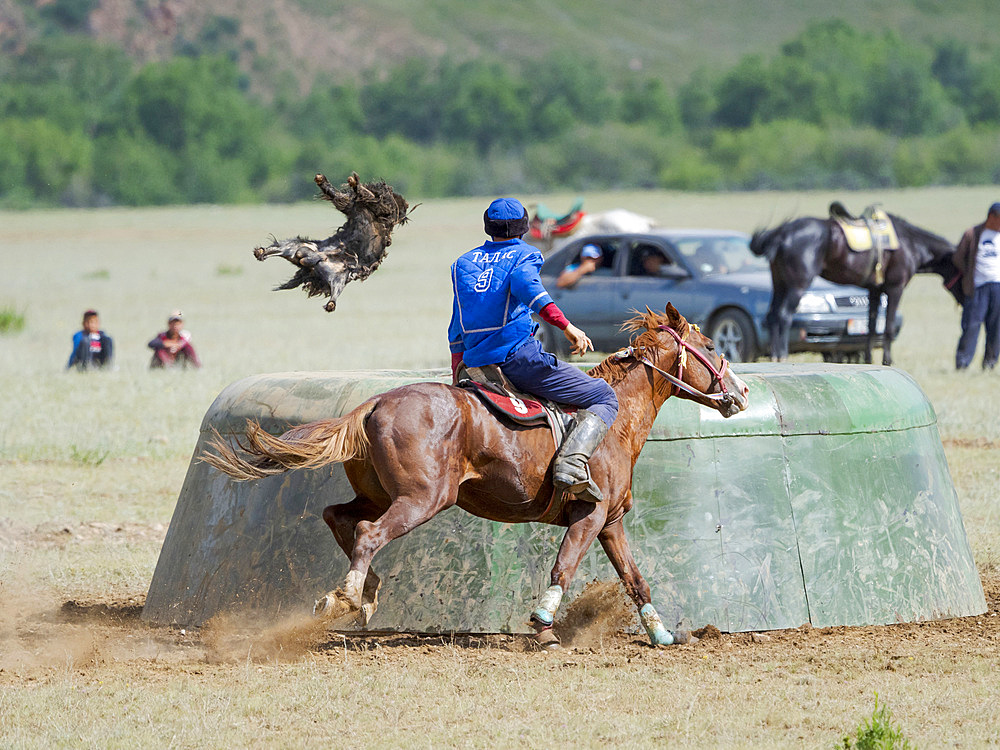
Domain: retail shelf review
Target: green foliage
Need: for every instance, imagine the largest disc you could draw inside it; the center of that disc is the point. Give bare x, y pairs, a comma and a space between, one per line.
136, 171
11, 320
877, 732
41, 158
769, 156
649, 101
833, 107
610, 156
71, 14
89, 456
487, 106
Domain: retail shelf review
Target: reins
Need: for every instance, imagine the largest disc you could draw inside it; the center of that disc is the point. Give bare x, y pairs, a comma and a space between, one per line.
683, 347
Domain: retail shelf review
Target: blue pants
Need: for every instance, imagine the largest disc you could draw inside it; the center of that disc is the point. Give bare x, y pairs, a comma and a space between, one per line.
533, 370
982, 307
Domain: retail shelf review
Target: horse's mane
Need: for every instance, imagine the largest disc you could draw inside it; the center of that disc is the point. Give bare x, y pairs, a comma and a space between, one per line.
613, 369
929, 237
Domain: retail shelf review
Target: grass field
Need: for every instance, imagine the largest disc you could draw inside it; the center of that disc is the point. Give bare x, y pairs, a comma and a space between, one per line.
90, 467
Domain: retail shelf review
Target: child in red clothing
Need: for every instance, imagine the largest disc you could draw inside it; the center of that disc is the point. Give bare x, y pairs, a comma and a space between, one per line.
173, 346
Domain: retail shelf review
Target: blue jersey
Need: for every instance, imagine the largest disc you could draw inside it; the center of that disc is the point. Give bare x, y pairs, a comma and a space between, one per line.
496, 289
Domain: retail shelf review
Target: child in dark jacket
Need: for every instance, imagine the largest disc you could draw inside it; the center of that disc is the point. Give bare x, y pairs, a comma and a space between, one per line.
92, 347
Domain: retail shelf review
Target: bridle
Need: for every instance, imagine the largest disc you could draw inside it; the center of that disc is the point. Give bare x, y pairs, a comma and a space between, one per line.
683, 347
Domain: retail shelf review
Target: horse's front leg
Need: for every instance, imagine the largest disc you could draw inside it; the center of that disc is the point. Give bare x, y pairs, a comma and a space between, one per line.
586, 521
615, 544
892, 304
874, 302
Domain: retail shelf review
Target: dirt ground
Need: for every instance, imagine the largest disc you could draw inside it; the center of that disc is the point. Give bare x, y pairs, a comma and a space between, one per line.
101, 630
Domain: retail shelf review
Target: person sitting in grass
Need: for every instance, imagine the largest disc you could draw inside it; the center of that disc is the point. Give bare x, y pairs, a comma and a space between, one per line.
172, 347
92, 347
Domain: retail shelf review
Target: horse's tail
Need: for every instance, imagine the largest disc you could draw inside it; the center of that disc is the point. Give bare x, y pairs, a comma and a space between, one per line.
307, 446
760, 244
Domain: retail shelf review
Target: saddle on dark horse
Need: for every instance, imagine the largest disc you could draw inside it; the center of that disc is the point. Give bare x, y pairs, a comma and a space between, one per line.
872, 230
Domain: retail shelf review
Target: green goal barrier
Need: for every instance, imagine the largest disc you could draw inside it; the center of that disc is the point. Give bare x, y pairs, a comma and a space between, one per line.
828, 501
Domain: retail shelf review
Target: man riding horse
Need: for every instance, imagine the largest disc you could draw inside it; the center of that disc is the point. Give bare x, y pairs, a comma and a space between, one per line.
496, 289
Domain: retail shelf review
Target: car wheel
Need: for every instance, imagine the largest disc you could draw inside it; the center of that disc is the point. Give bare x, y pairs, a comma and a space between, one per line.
732, 333
554, 341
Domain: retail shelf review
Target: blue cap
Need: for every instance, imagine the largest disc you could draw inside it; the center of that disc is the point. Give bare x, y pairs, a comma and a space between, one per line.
590, 251
505, 208
505, 217
994, 209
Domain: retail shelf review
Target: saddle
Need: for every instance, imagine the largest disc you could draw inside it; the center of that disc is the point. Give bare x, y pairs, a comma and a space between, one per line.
501, 398
872, 230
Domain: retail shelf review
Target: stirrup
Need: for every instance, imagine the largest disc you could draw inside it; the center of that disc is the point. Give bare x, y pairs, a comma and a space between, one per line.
585, 489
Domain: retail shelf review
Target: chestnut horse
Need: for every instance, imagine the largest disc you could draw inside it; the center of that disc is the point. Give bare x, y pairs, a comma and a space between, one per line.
802, 249
416, 450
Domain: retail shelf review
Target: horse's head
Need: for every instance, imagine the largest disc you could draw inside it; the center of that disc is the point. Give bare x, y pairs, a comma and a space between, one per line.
685, 362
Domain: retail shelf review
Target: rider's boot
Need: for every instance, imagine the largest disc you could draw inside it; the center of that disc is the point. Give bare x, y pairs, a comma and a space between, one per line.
571, 472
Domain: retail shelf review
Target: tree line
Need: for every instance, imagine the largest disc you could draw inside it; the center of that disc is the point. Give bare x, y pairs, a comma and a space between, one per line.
834, 107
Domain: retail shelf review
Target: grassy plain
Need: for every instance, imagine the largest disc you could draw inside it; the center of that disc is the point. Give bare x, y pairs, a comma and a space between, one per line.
90, 467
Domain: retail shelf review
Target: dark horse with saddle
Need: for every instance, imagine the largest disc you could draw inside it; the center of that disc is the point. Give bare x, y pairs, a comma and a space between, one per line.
877, 251
417, 450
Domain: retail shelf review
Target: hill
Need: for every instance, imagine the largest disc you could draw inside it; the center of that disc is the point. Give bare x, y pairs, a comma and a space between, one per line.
141, 102
296, 40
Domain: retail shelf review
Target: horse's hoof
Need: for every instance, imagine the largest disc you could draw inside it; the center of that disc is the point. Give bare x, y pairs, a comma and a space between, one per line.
684, 637
332, 605
330, 306
547, 640
367, 612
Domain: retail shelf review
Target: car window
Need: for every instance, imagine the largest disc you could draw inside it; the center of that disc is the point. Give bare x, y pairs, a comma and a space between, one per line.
715, 255
645, 259
556, 264
606, 267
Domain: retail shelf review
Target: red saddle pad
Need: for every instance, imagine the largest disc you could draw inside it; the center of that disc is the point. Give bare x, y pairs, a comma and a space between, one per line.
525, 411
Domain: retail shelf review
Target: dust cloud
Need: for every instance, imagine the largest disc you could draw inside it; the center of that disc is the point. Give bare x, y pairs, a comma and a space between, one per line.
597, 616
231, 638
31, 635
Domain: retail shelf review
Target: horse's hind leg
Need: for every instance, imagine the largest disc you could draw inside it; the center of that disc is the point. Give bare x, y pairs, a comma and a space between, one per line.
586, 521
615, 544
406, 513
343, 520
779, 318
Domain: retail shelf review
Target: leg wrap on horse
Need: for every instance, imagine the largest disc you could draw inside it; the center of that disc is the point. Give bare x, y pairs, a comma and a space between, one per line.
571, 471
548, 603
353, 586
658, 635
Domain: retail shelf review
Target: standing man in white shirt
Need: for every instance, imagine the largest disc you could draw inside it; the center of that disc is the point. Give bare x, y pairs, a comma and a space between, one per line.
978, 258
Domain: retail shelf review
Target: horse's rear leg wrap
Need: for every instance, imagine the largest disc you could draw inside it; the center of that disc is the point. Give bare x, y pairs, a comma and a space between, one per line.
353, 586
548, 603
571, 471
345, 600
658, 635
